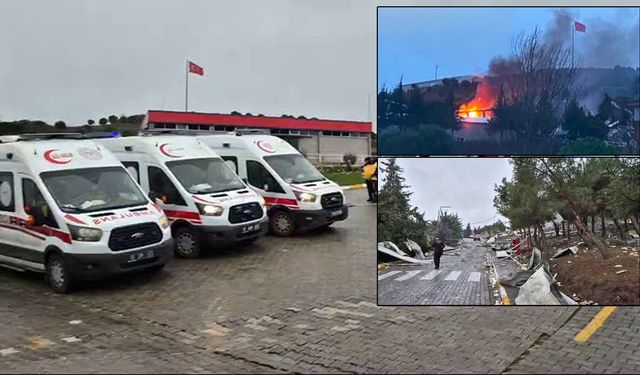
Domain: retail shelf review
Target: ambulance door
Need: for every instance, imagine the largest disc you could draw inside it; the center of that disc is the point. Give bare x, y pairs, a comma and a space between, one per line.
9, 226
263, 182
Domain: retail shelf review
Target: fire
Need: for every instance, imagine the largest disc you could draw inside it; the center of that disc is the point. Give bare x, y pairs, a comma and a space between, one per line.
482, 104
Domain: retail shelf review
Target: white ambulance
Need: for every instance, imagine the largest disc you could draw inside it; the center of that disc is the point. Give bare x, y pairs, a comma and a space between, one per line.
69, 209
205, 201
297, 195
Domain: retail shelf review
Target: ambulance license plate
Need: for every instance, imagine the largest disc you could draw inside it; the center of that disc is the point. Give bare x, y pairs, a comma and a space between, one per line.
250, 228
140, 255
335, 213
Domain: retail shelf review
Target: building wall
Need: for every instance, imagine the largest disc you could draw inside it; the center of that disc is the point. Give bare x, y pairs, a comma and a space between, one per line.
331, 149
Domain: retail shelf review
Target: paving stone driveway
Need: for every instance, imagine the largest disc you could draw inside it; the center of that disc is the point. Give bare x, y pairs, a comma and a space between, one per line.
304, 304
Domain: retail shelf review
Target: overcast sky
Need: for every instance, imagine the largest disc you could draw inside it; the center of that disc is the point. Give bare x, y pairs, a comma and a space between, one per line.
75, 59
465, 184
463, 41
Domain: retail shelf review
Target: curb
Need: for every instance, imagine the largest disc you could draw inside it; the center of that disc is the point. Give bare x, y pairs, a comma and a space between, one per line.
503, 292
356, 186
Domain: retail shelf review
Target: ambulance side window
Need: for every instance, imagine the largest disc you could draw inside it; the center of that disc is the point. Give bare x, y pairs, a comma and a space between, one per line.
259, 176
133, 168
232, 162
160, 184
33, 199
7, 202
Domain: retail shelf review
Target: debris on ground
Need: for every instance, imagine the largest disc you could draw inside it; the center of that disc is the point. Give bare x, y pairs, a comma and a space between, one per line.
573, 250
390, 250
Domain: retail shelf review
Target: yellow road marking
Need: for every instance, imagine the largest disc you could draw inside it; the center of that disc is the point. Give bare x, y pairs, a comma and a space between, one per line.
595, 324
505, 297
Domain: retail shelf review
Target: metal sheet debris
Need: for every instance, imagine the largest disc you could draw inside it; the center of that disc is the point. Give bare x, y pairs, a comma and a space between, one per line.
567, 251
389, 248
501, 254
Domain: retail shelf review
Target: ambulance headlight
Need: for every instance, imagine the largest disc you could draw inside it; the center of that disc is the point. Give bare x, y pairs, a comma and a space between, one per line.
263, 203
84, 233
305, 197
210, 209
164, 222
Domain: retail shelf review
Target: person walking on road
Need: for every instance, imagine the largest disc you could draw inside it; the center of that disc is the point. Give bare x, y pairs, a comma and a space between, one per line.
438, 250
370, 174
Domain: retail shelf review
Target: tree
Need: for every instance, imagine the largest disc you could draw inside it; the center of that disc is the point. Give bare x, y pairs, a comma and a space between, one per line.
426, 139
397, 219
60, 125
398, 111
90, 122
113, 119
567, 180
467, 231
539, 90
588, 146
449, 227
393, 204
103, 121
524, 200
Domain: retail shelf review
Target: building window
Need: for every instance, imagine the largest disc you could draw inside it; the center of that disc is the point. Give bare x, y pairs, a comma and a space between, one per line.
204, 127
193, 127
181, 126
158, 126
170, 126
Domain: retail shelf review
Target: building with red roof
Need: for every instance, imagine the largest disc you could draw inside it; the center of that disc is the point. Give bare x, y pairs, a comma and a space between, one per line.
321, 141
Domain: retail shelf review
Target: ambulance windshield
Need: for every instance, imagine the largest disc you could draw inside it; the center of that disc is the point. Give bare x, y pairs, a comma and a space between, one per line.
93, 189
294, 168
204, 176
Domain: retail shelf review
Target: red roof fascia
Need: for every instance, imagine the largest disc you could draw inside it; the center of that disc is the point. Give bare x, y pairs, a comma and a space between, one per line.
194, 118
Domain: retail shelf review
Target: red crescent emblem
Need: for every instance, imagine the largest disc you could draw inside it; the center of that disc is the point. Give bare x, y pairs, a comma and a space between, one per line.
265, 146
162, 149
63, 159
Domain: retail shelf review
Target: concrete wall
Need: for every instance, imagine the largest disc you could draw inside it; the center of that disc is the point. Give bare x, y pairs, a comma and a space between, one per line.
331, 149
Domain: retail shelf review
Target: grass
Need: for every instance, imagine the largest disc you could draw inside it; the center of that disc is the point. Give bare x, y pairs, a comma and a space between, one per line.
341, 176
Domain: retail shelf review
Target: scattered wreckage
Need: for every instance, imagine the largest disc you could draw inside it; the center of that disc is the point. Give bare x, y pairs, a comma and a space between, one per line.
388, 251
535, 285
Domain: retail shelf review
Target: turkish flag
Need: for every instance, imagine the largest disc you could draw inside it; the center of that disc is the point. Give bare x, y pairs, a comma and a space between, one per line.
196, 69
580, 27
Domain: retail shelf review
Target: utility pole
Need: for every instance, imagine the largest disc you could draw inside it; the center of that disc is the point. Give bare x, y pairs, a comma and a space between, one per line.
436, 76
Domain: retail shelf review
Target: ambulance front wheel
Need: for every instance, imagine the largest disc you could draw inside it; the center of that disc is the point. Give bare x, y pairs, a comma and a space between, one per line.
186, 245
58, 274
281, 224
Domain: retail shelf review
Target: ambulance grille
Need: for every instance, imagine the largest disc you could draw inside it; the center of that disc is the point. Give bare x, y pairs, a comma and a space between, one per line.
133, 236
245, 212
331, 200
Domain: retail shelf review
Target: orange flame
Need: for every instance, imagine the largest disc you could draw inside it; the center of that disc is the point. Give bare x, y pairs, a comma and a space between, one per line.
481, 105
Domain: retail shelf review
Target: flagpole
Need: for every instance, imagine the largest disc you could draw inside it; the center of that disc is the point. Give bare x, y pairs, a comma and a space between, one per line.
573, 31
186, 87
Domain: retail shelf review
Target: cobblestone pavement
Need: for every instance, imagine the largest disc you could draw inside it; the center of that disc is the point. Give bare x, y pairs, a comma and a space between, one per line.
461, 280
304, 304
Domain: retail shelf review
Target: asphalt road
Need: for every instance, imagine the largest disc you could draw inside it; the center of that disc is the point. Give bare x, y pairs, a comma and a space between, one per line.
303, 304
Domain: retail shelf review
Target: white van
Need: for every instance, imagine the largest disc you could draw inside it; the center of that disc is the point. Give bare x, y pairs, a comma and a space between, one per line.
205, 201
68, 208
297, 195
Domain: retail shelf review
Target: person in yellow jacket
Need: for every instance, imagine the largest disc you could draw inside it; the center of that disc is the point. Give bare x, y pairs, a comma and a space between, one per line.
370, 174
